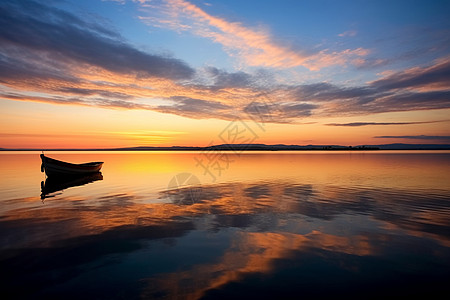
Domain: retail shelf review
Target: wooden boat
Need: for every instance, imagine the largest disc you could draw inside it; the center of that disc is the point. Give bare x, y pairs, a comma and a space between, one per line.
54, 167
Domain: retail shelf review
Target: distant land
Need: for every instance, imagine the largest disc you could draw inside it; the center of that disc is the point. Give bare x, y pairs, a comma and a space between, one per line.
258, 147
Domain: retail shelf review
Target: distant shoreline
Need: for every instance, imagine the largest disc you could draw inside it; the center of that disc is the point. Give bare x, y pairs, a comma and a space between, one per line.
258, 147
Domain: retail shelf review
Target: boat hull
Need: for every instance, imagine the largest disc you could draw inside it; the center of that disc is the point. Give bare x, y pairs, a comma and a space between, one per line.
54, 167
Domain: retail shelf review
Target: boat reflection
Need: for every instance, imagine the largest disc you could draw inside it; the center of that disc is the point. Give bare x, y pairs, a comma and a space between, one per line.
56, 184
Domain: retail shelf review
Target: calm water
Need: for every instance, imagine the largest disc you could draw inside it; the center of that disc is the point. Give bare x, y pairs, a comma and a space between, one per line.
259, 225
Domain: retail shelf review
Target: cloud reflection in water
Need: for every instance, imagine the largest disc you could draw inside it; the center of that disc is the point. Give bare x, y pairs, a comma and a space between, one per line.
264, 238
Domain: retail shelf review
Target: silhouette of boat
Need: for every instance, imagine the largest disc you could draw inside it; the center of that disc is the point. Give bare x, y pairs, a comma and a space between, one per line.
56, 184
54, 167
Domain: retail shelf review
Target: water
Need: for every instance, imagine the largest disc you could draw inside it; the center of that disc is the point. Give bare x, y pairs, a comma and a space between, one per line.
258, 225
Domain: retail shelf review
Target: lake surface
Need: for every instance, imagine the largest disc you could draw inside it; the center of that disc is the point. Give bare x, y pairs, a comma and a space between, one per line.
191, 225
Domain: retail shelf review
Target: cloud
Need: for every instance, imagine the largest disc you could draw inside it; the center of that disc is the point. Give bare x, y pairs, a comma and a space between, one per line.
358, 124
421, 88
436, 75
223, 79
51, 56
18, 64
224, 95
89, 92
369, 63
50, 99
325, 91
409, 101
197, 108
349, 33
298, 110
416, 137
266, 111
63, 100
37, 31
255, 46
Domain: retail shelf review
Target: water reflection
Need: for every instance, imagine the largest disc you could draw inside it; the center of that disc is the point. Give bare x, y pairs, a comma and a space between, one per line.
56, 184
422, 212
282, 237
236, 240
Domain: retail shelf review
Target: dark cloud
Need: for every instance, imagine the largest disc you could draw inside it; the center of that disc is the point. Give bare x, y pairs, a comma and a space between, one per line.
196, 108
194, 104
369, 99
18, 64
36, 28
389, 94
97, 101
324, 91
438, 74
298, 110
182, 106
408, 101
416, 137
273, 112
266, 112
357, 124
223, 79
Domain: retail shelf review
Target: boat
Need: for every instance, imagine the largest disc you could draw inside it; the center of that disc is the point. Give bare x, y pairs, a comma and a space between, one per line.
54, 167
55, 184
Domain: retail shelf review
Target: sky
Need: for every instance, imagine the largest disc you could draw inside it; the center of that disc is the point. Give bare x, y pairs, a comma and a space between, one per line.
123, 73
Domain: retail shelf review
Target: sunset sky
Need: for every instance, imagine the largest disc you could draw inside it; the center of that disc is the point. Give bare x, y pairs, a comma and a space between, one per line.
100, 74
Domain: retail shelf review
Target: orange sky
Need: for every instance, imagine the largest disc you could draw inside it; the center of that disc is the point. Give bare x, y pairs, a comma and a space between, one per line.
44, 126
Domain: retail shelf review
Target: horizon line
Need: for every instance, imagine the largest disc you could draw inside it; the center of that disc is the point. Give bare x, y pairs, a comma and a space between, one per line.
240, 147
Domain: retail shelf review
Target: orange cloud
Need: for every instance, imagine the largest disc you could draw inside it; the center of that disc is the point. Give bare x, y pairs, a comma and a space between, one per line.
251, 252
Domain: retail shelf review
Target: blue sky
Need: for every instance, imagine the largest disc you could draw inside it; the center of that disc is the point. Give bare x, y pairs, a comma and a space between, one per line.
399, 33
384, 65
